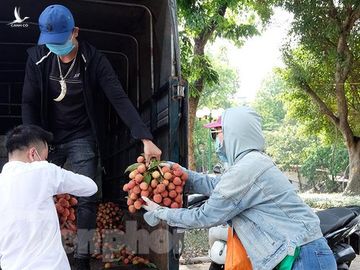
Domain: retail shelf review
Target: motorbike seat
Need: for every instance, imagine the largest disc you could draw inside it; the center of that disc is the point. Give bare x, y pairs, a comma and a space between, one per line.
333, 218
196, 200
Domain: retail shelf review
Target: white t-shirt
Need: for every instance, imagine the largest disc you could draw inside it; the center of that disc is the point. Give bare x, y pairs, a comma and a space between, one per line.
29, 227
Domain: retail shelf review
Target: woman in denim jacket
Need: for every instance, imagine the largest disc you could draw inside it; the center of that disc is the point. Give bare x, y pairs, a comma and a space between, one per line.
255, 197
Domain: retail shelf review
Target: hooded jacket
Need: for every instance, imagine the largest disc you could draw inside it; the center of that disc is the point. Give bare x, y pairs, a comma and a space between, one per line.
101, 87
253, 195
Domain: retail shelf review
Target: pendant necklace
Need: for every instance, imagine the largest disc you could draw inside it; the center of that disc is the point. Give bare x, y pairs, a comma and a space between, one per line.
62, 82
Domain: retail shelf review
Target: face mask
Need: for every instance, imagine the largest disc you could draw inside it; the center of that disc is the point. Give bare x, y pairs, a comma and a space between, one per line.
61, 49
220, 150
38, 156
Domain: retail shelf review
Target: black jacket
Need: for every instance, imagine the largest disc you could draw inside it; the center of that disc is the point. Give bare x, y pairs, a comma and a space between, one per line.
99, 79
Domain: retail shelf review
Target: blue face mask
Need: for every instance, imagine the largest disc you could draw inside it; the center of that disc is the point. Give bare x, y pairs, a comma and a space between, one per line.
61, 49
220, 150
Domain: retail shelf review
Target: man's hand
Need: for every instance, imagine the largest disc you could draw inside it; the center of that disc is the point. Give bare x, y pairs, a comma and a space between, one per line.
151, 151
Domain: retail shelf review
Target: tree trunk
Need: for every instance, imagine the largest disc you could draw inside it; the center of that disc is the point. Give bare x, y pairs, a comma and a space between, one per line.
199, 50
299, 177
193, 103
353, 187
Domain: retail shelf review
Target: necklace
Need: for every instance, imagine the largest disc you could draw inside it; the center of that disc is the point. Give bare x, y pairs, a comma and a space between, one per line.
62, 79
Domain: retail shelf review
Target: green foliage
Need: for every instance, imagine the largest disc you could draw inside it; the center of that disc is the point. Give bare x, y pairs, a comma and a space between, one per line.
322, 166
301, 107
268, 102
312, 56
204, 21
220, 95
204, 146
326, 200
132, 167
285, 142
195, 67
231, 18
319, 152
287, 146
323, 63
316, 25
214, 97
147, 178
202, 68
186, 54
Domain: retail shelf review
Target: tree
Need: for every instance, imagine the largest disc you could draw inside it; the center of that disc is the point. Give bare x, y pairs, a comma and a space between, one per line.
214, 97
322, 166
324, 63
319, 155
288, 147
204, 150
268, 101
220, 95
203, 22
284, 141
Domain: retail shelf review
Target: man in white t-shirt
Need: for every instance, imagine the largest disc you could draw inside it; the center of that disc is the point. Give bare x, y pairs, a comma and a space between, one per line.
29, 227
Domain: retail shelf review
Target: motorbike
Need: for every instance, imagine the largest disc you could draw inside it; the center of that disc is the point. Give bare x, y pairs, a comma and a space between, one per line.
339, 225
341, 228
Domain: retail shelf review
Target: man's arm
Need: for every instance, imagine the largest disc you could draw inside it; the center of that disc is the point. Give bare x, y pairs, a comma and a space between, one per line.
64, 181
124, 108
31, 100
113, 90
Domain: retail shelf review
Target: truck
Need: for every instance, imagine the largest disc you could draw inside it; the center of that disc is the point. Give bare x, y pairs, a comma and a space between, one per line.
140, 39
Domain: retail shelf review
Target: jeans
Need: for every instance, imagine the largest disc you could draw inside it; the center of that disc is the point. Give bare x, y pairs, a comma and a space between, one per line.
81, 157
315, 255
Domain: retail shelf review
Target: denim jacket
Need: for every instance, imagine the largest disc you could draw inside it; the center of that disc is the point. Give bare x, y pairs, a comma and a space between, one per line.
260, 203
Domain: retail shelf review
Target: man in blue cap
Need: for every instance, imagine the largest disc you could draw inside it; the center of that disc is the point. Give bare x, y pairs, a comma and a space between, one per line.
61, 93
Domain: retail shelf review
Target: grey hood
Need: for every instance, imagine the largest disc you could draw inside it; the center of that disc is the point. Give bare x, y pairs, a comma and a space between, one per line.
242, 132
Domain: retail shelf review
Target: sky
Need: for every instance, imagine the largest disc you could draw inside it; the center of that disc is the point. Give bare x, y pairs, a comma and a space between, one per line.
256, 59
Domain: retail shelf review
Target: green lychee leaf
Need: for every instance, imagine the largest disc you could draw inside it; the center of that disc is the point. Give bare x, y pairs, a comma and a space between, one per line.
132, 167
147, 178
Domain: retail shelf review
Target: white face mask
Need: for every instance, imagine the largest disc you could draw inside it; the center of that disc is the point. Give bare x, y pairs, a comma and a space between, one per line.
38, 156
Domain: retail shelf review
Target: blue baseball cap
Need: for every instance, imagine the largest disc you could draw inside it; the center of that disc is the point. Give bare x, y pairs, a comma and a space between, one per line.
56, 23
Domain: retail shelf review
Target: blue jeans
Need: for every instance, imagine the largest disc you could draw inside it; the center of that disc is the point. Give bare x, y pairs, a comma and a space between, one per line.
315, 255
80, 156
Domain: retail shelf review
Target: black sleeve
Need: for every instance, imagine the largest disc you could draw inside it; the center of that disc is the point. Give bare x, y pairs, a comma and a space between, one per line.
31, 100
113, 90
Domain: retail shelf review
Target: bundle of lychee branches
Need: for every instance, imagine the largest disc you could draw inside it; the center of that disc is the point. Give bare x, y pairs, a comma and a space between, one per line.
159, 181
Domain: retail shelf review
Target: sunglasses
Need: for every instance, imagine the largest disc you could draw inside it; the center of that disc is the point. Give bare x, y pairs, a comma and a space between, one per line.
214, 132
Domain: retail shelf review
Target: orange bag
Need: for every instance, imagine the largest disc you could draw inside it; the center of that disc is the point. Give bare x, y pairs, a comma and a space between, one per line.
236, 256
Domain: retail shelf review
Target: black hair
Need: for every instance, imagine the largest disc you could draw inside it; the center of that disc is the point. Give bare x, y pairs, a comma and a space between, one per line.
23, 136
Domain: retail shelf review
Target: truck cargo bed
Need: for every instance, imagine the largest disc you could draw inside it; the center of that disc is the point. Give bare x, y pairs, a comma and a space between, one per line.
140, 39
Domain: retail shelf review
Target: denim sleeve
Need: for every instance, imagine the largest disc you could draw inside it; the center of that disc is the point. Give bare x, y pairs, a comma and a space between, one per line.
200, 183
217, 210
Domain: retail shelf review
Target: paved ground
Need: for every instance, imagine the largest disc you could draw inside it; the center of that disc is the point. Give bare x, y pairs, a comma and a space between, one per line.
205, 266
355, 264
202, 266
97, 265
